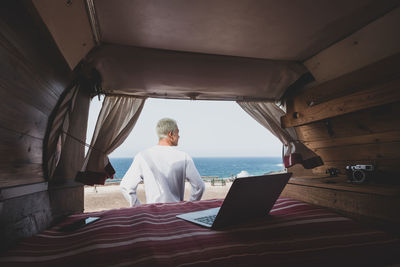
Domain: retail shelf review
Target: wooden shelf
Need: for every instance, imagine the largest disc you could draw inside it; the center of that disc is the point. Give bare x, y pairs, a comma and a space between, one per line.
340, 183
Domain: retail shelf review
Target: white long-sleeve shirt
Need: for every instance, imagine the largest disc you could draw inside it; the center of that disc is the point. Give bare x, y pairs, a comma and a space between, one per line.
163, 169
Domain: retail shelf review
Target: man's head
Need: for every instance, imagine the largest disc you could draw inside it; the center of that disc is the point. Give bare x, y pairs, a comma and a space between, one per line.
168, 132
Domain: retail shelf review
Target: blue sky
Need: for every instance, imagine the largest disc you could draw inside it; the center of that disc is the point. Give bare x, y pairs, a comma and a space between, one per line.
207, 129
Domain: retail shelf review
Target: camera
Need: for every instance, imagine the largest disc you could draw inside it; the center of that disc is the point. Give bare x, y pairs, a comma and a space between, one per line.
359, 174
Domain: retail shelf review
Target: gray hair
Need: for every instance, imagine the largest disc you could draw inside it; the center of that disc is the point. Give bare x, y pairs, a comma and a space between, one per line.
165, 126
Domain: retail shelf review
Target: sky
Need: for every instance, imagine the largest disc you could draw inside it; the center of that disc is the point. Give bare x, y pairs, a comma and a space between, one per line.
206, 129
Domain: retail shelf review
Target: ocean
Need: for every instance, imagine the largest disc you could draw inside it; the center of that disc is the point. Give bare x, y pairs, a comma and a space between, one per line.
222, 167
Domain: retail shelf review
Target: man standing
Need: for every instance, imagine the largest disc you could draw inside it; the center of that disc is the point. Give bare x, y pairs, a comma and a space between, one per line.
163, 169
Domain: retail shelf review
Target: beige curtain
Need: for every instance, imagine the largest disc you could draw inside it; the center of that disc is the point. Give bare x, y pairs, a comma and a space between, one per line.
59, 128
116, 120
269, 114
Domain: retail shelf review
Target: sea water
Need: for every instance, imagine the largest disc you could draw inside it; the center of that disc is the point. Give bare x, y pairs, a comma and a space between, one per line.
223, 167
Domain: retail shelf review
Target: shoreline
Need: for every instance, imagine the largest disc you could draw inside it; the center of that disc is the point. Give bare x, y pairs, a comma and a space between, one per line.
109, 196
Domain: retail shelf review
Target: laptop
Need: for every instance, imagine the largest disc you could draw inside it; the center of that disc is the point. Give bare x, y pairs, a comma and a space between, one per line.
248, 198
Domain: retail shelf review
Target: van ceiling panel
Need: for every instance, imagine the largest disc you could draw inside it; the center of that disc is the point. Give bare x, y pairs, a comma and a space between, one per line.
168, 74
68, 23
376, 41
206, 49
269, 29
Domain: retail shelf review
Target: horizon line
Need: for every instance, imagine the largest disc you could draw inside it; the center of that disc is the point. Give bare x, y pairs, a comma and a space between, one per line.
120, 157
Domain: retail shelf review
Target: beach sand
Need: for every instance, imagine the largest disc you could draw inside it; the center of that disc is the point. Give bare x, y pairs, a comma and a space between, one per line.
110, 197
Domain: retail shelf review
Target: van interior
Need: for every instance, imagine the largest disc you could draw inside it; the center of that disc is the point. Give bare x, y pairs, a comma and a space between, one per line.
322, 76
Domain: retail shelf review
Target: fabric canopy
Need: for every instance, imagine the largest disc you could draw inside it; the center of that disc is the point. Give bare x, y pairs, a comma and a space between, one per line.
268, 114
146, 72
116, 120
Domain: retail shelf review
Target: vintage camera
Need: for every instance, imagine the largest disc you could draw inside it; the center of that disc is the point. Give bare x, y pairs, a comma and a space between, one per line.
359, 174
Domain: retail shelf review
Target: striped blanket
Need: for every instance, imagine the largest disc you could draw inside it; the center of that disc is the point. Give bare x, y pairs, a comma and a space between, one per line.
296, 233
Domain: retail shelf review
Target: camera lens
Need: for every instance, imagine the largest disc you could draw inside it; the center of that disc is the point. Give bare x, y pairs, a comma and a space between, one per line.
358, 176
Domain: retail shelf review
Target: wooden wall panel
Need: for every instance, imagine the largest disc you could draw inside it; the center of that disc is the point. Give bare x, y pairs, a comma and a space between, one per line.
29, 38
384, 156
33, 74
351, 120
30, 84
370, 136
385, 137
340, 183
377, 95
20, 148
19, 116
380, 72
388, 166
374, 120
368, 152
376, 206
374, 41
20, 173
357, 90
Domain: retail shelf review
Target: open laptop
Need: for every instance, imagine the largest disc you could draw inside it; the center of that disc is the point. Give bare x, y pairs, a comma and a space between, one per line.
248, 198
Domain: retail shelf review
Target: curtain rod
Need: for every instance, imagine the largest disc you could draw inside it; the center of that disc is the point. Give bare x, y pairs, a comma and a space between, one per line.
237, 99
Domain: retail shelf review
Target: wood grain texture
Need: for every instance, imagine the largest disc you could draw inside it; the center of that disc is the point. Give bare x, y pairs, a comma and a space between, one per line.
373, 42
20, 148
340, 183
385, 137
23, 28
384, 156
33, 74
376, 96
376, 73
370, 135
19, 116
370, 205
360, 152
20, 173
365, 122
20, 159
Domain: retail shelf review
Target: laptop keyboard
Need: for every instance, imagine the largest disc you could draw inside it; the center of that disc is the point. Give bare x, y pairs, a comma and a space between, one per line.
207, 219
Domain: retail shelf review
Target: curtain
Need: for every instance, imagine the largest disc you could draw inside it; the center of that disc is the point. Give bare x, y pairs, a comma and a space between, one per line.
116, 120
268, 114
59, 128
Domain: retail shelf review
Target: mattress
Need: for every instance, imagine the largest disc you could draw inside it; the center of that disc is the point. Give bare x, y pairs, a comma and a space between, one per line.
295, 233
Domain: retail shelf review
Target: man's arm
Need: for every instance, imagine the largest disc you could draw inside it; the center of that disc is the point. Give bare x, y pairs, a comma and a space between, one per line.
194, 179
130, 182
